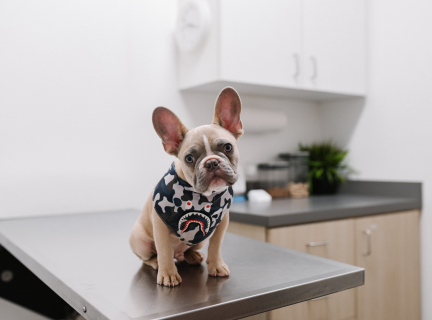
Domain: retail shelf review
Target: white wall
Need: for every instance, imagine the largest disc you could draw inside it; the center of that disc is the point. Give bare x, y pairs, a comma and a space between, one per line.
389, 134
78, 83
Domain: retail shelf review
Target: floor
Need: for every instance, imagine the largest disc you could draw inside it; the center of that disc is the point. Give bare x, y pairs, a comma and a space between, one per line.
11, 311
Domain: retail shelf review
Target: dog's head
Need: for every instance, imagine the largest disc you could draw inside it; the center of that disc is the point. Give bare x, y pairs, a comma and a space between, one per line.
208, 153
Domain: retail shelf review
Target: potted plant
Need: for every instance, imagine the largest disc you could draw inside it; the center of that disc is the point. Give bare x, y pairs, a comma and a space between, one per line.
326, 167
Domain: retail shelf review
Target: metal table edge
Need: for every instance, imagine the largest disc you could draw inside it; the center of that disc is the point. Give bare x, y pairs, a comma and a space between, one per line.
64, 291
275, 298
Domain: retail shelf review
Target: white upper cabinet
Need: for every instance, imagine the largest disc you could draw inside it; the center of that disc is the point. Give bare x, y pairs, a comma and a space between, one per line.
261, 42
334, 46
312, 49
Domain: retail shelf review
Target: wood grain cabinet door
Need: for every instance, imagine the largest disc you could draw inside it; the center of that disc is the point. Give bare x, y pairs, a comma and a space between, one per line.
388, 249
333, 240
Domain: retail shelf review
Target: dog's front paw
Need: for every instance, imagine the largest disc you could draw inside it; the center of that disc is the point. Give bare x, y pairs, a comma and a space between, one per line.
168, 277
217, 268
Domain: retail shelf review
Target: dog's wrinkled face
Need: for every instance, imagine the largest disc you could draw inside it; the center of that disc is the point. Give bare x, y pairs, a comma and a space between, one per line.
209, 156
208, 153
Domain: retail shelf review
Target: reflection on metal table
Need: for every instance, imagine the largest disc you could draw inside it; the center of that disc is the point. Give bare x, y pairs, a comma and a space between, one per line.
86, 260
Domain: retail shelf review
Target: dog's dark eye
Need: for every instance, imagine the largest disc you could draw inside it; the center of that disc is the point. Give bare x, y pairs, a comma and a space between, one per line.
227, 147
189, 158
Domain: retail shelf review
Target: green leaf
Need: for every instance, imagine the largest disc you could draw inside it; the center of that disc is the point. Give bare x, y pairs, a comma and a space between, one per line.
329, 177
316, 163
340, 177
326, 158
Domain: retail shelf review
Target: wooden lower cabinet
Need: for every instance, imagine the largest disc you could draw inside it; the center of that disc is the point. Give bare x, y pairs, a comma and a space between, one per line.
389, 251
333, 240
388, 248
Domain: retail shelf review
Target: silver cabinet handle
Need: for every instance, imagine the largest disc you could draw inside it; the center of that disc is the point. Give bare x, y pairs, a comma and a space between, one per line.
319, 298
317, 244
297, 65
314, 68
368, 234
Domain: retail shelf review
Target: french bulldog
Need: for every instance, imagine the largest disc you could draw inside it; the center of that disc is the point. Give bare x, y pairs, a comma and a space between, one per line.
190, 204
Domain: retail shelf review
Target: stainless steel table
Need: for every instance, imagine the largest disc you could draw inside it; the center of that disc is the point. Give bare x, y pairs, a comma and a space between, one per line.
86, 259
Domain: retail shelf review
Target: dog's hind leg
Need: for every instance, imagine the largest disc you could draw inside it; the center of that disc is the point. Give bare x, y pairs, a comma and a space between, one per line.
143, 246
194, 257
152, 262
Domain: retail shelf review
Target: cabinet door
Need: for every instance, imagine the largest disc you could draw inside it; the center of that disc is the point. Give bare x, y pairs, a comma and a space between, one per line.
334, 45
388, 249
247, 230
260, 42
333, 240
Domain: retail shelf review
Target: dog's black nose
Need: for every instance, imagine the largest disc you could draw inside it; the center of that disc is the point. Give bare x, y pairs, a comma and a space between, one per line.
212, 165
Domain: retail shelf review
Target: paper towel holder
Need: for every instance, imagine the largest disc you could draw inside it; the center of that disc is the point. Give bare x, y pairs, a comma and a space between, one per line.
260, 120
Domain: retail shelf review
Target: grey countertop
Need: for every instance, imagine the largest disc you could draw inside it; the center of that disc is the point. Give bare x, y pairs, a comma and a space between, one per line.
356, 198
86, 260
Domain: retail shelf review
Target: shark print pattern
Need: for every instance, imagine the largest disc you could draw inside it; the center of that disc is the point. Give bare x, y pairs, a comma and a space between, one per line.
191, 216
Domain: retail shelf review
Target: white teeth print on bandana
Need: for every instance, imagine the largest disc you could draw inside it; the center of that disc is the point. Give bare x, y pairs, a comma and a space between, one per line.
191, 216
194, 218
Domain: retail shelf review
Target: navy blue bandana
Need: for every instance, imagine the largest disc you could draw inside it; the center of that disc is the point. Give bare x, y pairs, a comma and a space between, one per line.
190, 215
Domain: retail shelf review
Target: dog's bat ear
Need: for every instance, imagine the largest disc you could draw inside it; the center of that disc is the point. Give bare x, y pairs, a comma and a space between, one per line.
227, 111
169, 128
